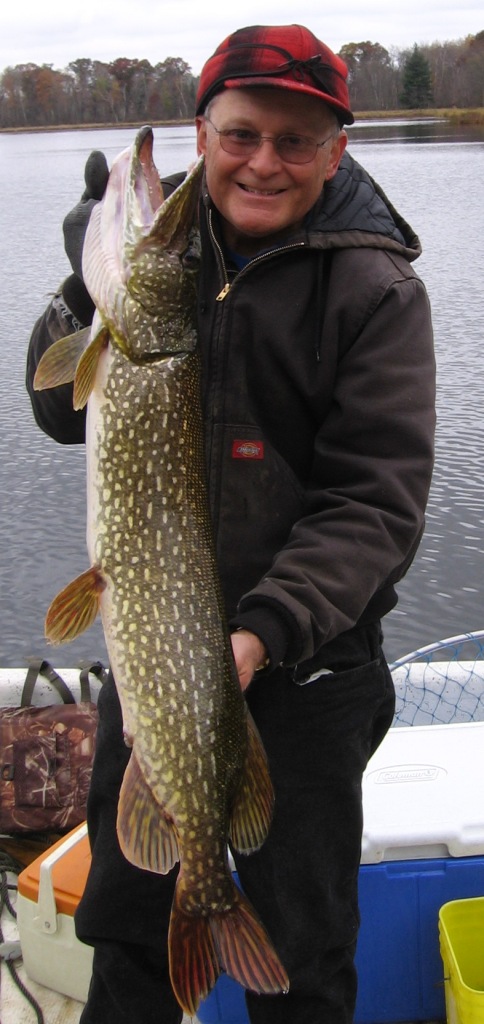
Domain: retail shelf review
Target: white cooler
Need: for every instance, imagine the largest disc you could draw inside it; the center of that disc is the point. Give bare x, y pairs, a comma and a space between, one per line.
49, 890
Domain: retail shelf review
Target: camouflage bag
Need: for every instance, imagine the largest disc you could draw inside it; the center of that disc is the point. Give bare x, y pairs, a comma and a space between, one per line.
46, 755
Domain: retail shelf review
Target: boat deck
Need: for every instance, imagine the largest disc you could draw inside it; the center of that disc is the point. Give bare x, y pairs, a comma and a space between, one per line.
56, 1009
15, 1008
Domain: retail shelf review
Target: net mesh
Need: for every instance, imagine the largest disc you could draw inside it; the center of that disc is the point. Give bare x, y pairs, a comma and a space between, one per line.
441, 683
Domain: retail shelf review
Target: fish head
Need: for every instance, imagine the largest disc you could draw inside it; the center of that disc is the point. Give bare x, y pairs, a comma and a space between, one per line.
162, 277
142, 254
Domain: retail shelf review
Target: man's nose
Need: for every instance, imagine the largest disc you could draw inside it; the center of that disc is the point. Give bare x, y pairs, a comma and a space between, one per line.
266, 157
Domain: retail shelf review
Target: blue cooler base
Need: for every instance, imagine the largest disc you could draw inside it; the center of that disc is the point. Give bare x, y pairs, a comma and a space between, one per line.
400, 972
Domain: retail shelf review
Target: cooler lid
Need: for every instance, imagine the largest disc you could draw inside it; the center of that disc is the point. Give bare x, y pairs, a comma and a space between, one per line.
69, 872
423, 794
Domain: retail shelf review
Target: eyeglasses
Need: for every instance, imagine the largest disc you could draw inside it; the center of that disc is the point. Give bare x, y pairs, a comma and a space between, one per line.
293, 149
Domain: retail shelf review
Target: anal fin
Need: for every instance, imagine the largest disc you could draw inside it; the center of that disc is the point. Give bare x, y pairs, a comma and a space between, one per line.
146, 836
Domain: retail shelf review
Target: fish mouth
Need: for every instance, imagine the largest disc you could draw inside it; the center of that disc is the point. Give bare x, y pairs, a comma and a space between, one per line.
163, 355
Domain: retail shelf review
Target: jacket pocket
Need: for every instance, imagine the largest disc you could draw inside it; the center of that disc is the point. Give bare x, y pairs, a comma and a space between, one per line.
256, 499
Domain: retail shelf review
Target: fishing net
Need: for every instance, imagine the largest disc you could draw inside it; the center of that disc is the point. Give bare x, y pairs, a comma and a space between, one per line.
441, 683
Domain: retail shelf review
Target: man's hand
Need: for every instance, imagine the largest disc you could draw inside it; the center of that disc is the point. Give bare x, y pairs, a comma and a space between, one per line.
96, 174
249, 653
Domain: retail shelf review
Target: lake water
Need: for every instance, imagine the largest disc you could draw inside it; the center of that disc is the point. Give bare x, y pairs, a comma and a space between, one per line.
434, 174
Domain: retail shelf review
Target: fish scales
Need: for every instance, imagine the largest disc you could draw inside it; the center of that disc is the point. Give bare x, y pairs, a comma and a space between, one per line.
163, 470
197, 776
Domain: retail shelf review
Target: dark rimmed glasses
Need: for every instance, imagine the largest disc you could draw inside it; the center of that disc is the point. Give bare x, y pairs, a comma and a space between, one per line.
293, 149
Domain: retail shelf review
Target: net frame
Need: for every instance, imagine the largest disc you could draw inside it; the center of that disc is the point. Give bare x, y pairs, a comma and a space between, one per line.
441, 683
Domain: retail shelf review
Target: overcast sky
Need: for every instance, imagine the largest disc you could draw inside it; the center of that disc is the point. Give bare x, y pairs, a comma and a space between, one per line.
56, 32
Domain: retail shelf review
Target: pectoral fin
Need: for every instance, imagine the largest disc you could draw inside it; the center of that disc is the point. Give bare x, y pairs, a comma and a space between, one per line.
86, 368
75, 607
59, 363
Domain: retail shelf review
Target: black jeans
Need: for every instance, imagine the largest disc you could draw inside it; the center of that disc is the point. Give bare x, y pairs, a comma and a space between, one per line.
303, 882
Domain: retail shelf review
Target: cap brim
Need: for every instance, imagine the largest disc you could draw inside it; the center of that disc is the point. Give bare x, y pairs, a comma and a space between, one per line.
300, 87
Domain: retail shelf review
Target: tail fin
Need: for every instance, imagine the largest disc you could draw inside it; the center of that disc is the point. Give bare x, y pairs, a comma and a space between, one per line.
194, 968
235, 941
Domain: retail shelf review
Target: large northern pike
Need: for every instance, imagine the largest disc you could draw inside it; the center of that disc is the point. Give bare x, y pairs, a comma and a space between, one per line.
197, 774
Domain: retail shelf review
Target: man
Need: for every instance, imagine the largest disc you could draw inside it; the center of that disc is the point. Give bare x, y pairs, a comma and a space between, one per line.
318, 377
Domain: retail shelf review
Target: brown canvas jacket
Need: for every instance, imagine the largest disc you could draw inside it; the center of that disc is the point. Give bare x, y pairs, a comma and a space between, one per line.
318, 393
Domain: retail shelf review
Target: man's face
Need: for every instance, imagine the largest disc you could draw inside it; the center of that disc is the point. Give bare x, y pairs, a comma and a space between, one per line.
261, 197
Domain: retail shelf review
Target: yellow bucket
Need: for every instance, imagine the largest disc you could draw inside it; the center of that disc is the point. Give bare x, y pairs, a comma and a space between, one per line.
461, 929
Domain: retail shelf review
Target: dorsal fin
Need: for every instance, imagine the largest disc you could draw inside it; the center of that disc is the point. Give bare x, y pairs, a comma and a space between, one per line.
253, 804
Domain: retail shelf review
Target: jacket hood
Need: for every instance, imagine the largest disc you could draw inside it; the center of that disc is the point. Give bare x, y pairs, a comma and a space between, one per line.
354, 212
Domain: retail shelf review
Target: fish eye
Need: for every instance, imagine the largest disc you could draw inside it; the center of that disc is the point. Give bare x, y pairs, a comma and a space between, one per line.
191, 258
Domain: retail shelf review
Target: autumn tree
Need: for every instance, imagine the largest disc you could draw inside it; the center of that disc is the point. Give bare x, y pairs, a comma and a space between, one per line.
12, 100
82, 78
372, 77
133, 91
124, 71
443, 60
472, 61
176, 94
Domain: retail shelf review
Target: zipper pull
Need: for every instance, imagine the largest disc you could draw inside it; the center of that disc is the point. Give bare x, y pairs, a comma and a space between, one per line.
223, 293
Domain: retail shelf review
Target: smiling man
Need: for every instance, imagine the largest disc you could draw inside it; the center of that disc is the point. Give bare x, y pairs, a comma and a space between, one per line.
266, 164
318, 391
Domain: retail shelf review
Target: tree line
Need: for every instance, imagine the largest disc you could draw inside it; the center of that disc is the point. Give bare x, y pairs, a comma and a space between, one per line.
438, 75
441, 75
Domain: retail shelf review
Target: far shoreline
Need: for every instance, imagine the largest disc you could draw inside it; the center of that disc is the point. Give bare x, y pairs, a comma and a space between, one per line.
471, 116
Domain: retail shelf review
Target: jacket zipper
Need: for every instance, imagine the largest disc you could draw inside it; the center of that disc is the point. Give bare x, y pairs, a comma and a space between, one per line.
226, 287
257, 259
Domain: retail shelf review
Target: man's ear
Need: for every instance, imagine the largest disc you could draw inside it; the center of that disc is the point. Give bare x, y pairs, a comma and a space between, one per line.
201, 126
337, 149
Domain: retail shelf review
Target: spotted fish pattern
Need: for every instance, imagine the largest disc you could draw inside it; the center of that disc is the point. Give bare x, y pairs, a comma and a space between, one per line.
197, 775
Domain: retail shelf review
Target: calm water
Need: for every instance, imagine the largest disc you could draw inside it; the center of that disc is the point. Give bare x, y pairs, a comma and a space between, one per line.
435, 176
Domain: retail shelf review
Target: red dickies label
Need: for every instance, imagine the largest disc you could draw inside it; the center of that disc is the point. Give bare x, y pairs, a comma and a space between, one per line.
247, 449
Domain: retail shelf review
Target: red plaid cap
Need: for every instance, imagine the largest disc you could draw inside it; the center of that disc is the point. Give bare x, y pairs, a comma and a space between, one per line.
285, 56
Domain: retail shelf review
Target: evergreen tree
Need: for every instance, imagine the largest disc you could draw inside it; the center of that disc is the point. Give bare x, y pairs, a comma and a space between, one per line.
417, 81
